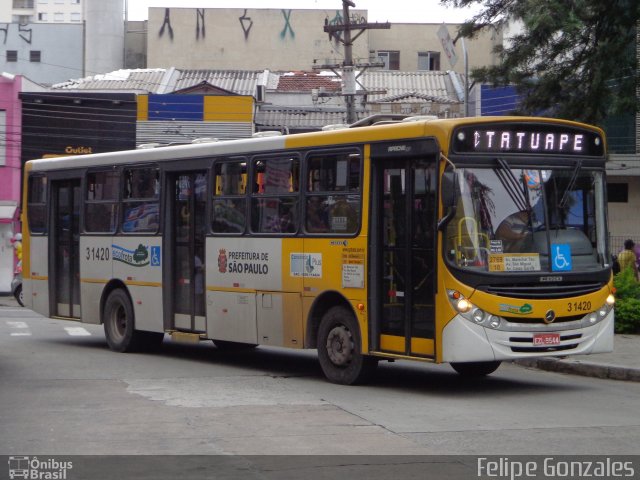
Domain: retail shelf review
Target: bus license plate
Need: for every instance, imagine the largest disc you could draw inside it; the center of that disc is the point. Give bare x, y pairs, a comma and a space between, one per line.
541, 339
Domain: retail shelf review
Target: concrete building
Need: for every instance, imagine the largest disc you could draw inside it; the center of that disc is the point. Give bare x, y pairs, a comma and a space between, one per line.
50, 41
212, 38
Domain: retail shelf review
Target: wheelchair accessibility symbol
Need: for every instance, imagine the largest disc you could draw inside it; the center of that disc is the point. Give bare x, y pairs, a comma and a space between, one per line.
560, 257
155, 256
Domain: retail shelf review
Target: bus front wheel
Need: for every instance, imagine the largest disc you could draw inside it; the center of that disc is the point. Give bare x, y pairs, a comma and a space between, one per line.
339, 349
475, 369
119, 327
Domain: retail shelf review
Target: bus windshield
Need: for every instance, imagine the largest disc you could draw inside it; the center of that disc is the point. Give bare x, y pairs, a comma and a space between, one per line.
528, 220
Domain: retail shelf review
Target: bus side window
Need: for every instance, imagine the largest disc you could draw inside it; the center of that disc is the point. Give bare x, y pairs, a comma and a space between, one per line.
100, 215
229, 201
333, 200
141, 200
274, 202
37, 204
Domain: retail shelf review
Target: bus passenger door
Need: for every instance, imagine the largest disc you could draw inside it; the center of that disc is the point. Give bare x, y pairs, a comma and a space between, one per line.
405, 256
64, 249
187, 227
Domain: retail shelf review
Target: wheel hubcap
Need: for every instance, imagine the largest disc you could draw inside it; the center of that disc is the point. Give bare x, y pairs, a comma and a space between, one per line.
340, 345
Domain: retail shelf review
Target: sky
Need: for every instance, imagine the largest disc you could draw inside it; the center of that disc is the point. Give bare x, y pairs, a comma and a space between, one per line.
394, 11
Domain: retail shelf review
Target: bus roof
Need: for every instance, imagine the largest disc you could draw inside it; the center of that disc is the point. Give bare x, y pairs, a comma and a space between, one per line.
440, 128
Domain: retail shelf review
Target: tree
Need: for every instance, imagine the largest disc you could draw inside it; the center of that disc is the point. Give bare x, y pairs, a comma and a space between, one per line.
574, 59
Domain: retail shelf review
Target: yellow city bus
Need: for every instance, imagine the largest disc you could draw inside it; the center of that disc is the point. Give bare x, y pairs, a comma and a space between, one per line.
467, 241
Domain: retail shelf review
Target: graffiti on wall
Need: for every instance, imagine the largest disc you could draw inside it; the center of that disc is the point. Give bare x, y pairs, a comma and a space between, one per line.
246, 23
24, 32
287, 25
166, 24
200, 27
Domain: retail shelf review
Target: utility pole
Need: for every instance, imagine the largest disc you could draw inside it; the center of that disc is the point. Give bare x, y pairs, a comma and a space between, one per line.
348, 67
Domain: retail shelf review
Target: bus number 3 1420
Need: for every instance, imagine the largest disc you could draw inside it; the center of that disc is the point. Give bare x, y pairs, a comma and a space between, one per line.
97, 254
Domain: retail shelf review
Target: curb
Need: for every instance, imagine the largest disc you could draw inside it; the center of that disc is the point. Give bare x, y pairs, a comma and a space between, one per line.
587, 369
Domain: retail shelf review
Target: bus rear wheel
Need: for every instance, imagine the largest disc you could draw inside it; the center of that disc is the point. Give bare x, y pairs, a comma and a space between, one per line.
475, 369
339, 349
119, 323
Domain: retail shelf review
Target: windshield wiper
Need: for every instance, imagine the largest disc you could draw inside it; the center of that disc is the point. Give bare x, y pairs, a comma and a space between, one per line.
571, 184
510, 184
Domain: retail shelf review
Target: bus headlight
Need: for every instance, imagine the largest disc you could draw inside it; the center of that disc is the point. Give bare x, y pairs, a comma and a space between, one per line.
463, 305
600, 314
494, 321
478, 315
611, 300
470, 312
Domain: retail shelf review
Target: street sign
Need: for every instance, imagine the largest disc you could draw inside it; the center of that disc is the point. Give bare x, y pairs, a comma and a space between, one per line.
447, 44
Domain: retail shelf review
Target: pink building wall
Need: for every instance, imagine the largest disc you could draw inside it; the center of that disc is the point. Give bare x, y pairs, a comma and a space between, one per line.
10, 137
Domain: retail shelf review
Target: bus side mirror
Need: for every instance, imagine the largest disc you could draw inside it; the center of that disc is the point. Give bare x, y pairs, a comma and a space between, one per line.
448, 187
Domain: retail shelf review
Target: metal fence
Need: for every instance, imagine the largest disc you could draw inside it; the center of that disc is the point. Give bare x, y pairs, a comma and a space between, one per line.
616, 243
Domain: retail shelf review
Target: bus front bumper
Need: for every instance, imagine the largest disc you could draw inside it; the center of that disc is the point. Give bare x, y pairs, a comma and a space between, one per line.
464, 341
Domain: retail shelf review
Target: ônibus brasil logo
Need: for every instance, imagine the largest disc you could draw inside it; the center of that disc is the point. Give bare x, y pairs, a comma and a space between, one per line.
34, 468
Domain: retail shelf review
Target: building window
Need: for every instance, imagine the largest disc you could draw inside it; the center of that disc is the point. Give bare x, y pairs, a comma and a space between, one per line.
76, 17
22, 3
618, 192
58, 17
34, 56
22, 19
12, 55
428, 60
42, 16
391, 59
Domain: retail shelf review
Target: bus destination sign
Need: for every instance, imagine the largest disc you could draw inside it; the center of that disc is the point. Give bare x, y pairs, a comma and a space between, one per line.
525, 138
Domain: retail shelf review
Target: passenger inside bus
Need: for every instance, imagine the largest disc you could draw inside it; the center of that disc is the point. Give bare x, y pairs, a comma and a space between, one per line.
513, 231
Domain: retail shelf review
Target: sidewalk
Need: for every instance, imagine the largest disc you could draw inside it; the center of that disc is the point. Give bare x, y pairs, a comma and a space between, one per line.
621, 364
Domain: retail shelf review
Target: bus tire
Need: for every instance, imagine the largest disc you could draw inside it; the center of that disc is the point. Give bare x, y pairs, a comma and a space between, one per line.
119, 323
339, 349
475, 369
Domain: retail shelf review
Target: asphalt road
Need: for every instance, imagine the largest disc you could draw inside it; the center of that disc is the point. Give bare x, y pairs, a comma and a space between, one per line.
65, 393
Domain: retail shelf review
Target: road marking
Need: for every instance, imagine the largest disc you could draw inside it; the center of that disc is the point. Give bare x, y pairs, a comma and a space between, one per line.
17, 324
20, 334
77, 331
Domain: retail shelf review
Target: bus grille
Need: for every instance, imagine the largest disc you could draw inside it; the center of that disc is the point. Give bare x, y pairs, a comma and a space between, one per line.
535, 290
533, 320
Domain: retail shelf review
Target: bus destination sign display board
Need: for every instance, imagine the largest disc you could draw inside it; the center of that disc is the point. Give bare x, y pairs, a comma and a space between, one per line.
527, 138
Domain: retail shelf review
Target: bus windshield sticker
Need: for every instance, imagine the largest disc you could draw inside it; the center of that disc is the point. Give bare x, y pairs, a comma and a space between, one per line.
561, 257
307, 265
496, 246
514, 262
